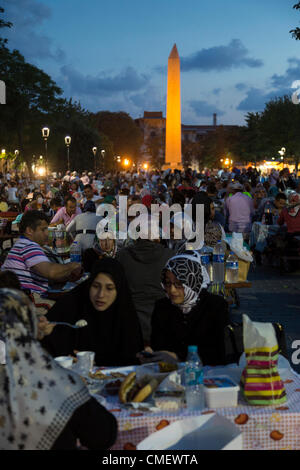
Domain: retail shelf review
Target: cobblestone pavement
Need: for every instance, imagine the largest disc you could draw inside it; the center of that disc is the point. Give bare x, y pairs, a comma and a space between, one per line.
273, 298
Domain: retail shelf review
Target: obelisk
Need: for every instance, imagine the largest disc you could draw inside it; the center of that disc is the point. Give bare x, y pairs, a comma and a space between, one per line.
173, 119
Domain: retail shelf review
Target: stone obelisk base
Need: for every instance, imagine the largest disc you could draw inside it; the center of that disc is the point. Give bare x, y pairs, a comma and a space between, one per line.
172, 166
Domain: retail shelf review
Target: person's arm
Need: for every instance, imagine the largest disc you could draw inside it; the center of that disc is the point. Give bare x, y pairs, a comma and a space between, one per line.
57, 272
71, 228
94, 426
281, 219
57, 219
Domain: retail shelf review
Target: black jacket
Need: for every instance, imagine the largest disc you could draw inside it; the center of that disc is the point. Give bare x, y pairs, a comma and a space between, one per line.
204, 327
143, 263
114, 334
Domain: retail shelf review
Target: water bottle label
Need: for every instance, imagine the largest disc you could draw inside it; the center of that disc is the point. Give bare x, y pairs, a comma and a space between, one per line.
218, 258
232, 265
75, 258
194, 377
205, 259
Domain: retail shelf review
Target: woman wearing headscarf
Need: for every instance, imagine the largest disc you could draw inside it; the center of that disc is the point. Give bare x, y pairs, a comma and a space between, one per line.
188, 315
290, 215
42, 405
105, 246
113, 331
213, 230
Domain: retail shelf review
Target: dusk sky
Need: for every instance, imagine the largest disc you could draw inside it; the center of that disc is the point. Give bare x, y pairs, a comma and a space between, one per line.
112, 55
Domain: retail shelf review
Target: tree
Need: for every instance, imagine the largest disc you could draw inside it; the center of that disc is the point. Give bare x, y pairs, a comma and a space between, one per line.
280, 123
155, 144
3, 24
296, 32
29, 92
122, 132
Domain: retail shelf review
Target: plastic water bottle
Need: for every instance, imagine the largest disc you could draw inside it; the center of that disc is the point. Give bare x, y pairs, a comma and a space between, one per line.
75, 252
232, 268
206, 260
194, 388
218, 263
268, 215
60, 239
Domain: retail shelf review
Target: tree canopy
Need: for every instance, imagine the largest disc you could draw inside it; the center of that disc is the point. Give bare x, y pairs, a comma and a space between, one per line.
296, 32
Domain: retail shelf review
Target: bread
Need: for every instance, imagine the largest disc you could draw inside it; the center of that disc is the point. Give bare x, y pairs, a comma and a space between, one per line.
145, 391
126, 385
133, 391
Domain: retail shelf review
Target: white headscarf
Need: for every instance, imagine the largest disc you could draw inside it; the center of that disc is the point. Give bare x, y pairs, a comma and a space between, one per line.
37, 395
188, 269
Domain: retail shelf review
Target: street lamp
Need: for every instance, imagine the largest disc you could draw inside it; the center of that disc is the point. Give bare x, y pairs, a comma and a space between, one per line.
103, 161
94, 150
282, 153
45, 134
68, 143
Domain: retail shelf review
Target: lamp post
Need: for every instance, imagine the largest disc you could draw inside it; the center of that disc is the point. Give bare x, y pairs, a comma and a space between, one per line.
68, 143
45, 134
94, 150
103, 161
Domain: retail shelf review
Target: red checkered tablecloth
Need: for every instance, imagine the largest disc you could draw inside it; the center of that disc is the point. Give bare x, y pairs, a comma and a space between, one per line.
272, 428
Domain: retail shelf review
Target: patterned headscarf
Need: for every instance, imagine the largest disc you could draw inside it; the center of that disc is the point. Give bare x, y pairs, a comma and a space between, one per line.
37, 395
188, 269
293, 204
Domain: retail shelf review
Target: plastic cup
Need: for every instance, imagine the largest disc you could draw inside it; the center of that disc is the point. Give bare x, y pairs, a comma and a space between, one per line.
64, 361
85, 362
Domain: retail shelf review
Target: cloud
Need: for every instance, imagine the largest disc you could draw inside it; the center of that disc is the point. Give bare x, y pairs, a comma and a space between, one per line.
150, 100
204, 109
292, 73
28, 17
241, 86
256, 99
104, 85
217, 91
219, 58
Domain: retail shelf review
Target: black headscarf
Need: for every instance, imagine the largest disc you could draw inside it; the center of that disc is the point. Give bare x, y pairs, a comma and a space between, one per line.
114, 334
201, 198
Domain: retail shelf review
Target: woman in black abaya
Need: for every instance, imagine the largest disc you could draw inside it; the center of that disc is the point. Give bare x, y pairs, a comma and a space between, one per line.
113, 331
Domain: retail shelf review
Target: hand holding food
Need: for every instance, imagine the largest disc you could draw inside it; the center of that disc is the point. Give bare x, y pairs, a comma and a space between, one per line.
44, 327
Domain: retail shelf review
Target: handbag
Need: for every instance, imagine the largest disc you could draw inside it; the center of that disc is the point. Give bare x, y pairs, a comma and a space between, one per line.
234, 344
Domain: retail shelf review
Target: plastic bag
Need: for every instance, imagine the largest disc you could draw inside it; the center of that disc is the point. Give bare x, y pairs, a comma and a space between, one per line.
260, 380
236, 245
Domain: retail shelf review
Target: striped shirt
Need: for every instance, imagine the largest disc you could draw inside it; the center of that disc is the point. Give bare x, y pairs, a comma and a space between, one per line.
22, 257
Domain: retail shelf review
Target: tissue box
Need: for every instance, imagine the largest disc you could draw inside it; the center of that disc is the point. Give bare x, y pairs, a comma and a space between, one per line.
206, 432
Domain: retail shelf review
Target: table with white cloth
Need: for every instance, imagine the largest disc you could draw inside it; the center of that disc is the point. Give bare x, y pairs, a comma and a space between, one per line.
260, 422
260, 233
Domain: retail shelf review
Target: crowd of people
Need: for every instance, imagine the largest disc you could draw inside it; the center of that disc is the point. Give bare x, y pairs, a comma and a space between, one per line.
147, 294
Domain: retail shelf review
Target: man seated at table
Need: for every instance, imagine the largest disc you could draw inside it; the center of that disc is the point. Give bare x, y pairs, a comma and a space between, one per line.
276, 205
89, 195
28, 260
239, 209
67, 213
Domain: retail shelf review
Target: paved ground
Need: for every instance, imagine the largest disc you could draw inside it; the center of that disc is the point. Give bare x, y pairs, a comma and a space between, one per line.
273, 298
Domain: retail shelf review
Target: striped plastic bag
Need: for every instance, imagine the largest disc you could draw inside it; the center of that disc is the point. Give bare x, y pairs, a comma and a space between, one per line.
260, 380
